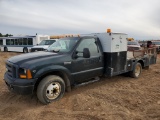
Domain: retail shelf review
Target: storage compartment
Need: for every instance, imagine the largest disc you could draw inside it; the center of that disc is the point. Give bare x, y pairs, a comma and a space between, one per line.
114, 62
115, 52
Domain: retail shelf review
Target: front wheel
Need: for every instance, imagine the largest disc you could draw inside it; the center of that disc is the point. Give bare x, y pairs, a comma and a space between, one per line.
50, 89
136, 70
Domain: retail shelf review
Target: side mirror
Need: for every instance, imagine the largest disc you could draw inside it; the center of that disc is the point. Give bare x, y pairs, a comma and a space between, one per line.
86, 53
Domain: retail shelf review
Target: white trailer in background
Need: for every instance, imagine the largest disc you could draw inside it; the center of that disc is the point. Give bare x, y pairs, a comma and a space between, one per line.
20, 43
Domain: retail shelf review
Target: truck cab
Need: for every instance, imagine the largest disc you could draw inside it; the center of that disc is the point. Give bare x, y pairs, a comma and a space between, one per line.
70, 61
74, 60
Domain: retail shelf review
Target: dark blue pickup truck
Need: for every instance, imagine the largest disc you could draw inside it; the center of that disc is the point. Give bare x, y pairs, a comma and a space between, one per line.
73, 60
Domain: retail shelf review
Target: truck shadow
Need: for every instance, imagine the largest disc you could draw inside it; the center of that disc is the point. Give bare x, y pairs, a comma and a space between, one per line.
7, 97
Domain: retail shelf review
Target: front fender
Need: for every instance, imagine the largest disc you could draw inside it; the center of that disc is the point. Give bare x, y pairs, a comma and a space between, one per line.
51, 68
56, 68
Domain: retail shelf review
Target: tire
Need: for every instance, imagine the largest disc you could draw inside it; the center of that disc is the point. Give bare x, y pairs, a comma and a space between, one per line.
136, 70
5, 49
50, 89
25, 50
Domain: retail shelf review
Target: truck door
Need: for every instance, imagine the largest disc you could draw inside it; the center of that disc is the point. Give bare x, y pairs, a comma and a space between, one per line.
86, 68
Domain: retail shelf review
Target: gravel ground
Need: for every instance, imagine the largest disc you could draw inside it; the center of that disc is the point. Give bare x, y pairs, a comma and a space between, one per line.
117, 98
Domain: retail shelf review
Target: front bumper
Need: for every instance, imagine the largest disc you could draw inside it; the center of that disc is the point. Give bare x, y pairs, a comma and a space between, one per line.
20, 86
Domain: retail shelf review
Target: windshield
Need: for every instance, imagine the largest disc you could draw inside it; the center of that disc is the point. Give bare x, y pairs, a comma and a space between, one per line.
63, 45
133, 43
47, 42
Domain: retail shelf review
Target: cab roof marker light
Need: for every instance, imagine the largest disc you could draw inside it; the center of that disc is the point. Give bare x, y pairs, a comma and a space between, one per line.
108, 30
63, 36
130, 39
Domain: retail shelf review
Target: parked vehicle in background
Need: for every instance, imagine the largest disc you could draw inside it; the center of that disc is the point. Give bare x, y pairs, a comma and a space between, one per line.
43, 45
20, 43
133, 45
157, 44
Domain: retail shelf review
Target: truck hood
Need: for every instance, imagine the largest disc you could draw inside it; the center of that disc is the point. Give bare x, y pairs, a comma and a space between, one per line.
21, 59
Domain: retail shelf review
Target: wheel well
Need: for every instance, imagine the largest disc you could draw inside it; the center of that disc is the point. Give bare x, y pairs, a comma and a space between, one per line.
25, 48
58, 73
5, 47
142, 63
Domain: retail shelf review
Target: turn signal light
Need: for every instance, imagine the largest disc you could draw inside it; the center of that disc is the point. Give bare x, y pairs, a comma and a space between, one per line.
23, 76
29, 75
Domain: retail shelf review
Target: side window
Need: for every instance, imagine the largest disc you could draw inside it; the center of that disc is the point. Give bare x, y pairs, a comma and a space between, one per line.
25, 41
16, 41
7, 41
90, 44
12, 42
1, 42
30, 41
20, 41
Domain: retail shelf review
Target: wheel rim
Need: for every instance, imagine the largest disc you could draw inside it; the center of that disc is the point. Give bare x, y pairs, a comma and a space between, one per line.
137, 70
53, 90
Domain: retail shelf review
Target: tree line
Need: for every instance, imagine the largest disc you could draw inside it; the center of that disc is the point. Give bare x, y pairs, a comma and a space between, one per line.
6, 35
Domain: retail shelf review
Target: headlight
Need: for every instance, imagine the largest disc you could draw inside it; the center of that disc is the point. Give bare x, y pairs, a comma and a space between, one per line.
22, 71
25, 73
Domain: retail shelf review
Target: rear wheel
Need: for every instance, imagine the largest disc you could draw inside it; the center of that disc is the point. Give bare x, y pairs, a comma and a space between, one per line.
136, 70
25, 50
50, 89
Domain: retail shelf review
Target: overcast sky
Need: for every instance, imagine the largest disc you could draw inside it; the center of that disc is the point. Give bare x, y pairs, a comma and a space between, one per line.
140, 19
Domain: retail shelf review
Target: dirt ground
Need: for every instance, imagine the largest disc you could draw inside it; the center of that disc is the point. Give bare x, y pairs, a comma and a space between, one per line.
118, 98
